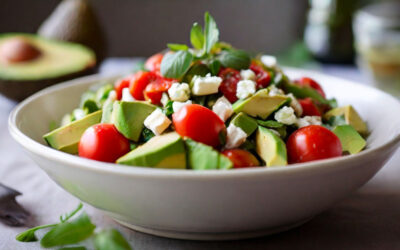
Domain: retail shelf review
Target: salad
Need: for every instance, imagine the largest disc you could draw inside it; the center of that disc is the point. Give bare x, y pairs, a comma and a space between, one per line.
209, 106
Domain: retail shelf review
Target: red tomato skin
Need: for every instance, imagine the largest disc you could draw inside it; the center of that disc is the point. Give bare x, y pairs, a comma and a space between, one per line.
199, 123
263, 77
153, 63
309, 107
312, 143
230, 78
154, 90
103, 142
120, 85
139, 82
306, 81
241, 158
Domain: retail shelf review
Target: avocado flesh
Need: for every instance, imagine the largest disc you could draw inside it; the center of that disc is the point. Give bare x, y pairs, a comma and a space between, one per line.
57, 59
270, 147
245, 122
260, 104
164, 151
351, 117
128, 117
67, 138
350, 139
204, 157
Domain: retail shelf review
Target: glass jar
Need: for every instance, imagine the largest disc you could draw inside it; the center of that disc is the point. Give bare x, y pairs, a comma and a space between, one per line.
377, 41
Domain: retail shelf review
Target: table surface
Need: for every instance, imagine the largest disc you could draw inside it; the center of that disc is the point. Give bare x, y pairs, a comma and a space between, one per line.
367, 219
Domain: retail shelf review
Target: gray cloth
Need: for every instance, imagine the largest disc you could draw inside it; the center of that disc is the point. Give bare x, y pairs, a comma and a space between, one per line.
367, 219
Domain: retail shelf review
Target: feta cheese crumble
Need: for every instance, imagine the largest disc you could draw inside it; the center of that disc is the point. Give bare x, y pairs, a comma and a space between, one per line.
157, 122
176, 106
223, 108
286, 116
245, 88
295, 104
164, 99
235, 137
269, 61
309, 120
247, 74
206, 85
112, 96
179, 92
126, 95
274, 91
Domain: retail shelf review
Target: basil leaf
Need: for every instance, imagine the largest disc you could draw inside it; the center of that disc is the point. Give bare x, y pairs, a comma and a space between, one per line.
196, 36
67, 216
175, 65
177, 46
168, 109
211, 32
236, 59
73, 248
69, 232
195, 70
214, 66
270, 124
110, 239
29, 235
147, 134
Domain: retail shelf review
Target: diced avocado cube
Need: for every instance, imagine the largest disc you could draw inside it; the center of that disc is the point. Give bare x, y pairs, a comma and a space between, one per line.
351, 116
245, 122
270, 147
67, 138
350, 139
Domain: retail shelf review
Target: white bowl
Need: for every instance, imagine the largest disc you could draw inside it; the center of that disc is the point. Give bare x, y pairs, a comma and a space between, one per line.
210, 205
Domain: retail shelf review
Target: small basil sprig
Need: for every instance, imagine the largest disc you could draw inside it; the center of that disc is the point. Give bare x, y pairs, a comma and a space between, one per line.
175, 65
197, 36
237, 59
211, 32
110, 239
177, 46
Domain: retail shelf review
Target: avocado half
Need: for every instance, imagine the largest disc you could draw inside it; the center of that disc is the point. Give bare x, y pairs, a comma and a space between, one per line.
39, 62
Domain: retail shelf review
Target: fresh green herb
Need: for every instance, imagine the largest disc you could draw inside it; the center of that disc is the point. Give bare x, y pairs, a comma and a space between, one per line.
201, 100
103, 92
198, 69
248, 145
110, 239
222, 137
333, 103
168, 109
73, 248
237, 59
177, 46
214, 66
270, 124
90, 106
67, 216
197, 36
69, 232
175, 65
211, 33
304, 92
147, 134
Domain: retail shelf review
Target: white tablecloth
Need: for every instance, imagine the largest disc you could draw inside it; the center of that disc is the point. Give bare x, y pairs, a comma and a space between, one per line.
368, 219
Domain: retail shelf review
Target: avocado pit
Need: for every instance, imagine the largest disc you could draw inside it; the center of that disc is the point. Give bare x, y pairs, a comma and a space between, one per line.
17, 50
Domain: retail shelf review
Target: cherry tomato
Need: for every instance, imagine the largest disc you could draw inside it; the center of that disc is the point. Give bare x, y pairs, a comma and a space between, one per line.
120, 85
154, 90
139, 82
199, 123
153, 63
230, 78
311, 143
263, 78
309, 107
241, 158
103, 142
306, 81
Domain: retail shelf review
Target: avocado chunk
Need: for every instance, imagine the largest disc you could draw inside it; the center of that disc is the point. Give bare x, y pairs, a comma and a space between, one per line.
260, 104
351, 117
350, 139
245, 122
163, 151
128, 117
203, 157
67, 138
270, 147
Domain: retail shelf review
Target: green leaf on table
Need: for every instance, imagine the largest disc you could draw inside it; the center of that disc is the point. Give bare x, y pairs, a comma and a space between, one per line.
69, 232
73, 248
197, 36
211, 33
29, 235
110, 239
177, 46
175, 65
237, 59
67, 216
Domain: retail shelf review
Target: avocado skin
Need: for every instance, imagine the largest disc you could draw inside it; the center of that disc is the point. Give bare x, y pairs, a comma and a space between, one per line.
350, 139
270, 147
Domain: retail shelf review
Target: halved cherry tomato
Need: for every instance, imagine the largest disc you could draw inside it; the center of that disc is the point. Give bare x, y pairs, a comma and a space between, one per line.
153, 63
309, 107
311, 143
139, 82
199, 123
230, 78
263, 77
120, 85
306, 81
241, 158
155, 89
103, 142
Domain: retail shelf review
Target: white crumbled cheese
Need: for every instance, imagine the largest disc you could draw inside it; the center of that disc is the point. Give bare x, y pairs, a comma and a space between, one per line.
126, 95
245, 88
269, 61
112, 96
309, 120
295, 104
286, 116
223, 108
235, 136
274, 91
78, 114
206, 85
157, 122
176, 106
247, 74
164, 99
179, 92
